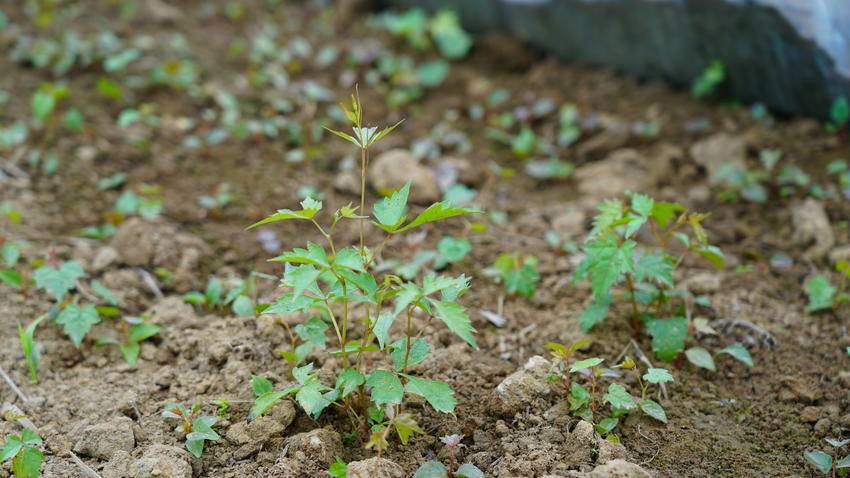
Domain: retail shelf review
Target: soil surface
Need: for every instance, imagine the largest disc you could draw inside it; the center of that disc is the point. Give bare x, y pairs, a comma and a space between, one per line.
735, 422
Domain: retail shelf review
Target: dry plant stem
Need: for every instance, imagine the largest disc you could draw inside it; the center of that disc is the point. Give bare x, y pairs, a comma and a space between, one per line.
13, 386
642, 357
85, 469
407, 345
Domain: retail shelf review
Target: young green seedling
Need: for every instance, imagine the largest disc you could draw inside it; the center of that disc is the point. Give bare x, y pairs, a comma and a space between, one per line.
198, 430
339, 289
137, 331
21, 450
435, 469
828, 463
32, 356
617, 266
518, 272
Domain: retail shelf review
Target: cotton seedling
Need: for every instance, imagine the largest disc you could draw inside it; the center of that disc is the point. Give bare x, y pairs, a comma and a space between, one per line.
829, 463
518, 273
137, 331
617, 266
32, 355
198, 430
435, 469
706, 84
586, 402
23, 454
237, 296
825, 296
337, 287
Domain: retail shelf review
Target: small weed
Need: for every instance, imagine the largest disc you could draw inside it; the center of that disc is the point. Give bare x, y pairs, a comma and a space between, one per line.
825, 296
828, 463
518, 273
709, 80
21, 450
198, 430
435, 469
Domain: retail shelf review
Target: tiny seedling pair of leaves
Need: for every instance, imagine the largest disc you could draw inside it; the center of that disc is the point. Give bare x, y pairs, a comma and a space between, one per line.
310, 393
22, 452
390, 212
702, 358
136, 334
824, 461
77, 321
622, 403
198, 430
435, 469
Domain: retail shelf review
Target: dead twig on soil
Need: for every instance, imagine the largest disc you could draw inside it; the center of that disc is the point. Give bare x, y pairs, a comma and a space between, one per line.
149, 281
13, 386
728, 324
85, 469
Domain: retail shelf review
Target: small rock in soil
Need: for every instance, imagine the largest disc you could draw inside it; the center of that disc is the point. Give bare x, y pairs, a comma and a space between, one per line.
610, 451
264, 427
840, 253
103, 440
570, 224
392, 169
468, 172
581, 442
321, 445
621, 171
812, 228
810, 414
347, 182
157, 244
619, 469
105, 257
702, 283
171, 311
162, 461
715, 151
519, 389
374, 468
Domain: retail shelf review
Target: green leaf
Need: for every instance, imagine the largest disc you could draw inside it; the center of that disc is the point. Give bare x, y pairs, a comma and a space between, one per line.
432, 73
313, 331
381, 329
77, 321
390, 211
655, 266
268, 400
194, 298
452, 42
664, 212
11, 253
11, 448
700, 357
32, 356
243, 306
419, 349
619, 398
522, 280
843, 463
439, 394
739, 353
821, 293
43, 103
314, 255
338, 469
608, 261
103, 292
349, 258
820, 460
468, 470
712, 254
436, 212
348, 381
453, 249
195, 447
595, 312
261, 385
28, 463
57, 282
202, 429
658, 375
432, 469
130, 351
586, 363
668, 337
653, 409
309, 208
10, 277
406, 426
455, 317
302, 277
29, 437
214, 291
386, 388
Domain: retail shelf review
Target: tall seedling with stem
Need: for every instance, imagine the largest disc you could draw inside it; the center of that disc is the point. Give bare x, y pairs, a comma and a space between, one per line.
336, 286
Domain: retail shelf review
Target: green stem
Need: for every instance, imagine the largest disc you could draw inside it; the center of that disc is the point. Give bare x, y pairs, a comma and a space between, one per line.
407, 348
364, 159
